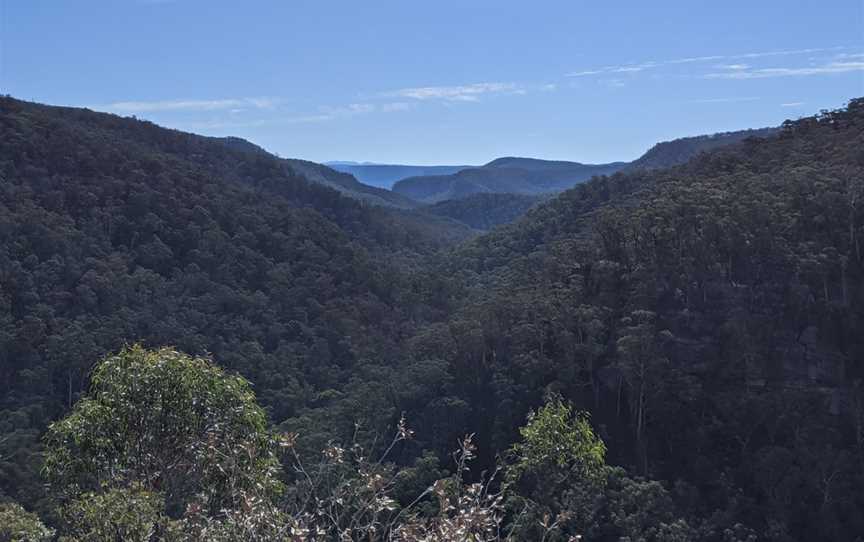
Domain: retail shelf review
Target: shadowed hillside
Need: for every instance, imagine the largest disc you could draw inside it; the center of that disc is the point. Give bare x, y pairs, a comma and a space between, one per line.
707, 315
114, 230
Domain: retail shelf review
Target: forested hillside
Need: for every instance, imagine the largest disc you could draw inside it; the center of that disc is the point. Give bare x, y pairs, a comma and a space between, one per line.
114, 230
678, 151
484, 211
708, 316
686, 340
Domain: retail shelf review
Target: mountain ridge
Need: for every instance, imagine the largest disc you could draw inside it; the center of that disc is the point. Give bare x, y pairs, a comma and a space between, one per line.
385, 175
526, 176
532, 176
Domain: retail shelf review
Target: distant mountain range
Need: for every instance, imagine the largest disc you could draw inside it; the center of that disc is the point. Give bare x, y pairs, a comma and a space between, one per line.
385, 175
489, 195
528, 176
505, 175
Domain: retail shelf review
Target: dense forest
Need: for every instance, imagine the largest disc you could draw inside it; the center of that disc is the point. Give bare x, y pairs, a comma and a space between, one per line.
708, 316
484, 210
116, 230
657, 354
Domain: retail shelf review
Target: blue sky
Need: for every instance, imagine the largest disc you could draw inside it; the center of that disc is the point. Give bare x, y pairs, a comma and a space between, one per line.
439, 82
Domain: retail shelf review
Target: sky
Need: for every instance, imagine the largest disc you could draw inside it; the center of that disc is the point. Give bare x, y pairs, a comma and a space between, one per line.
439, 82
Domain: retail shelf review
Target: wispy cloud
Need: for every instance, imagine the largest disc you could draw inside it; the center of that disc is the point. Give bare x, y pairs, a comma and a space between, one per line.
351, 110
188, 105
642, 66
724, 100
586, 72
691, 59
762, 73
460, 93
614, 83
792, 104
324, 114
629, 68
789, 52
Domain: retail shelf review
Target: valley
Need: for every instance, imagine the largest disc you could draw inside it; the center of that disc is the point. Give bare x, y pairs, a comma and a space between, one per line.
700, 307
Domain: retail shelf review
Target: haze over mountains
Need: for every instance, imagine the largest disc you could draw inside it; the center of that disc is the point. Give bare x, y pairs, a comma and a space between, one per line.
526, 176
503, 175
481, 198
386, 175
486, 196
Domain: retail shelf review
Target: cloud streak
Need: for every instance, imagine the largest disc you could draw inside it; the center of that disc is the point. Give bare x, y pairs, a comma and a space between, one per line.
724, 100
188, 105
642, 66
460, 93
324, 114
629, 68
764, 73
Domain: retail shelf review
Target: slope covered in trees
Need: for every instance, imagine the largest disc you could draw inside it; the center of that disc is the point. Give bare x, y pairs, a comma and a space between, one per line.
115, 230
681, 150
484, 211
327, 176
708, 316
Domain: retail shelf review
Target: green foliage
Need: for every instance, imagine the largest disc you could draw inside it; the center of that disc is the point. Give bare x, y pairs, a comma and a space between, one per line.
556, 471
555, 437
169, 422
18, 525
642, 510
129, 514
